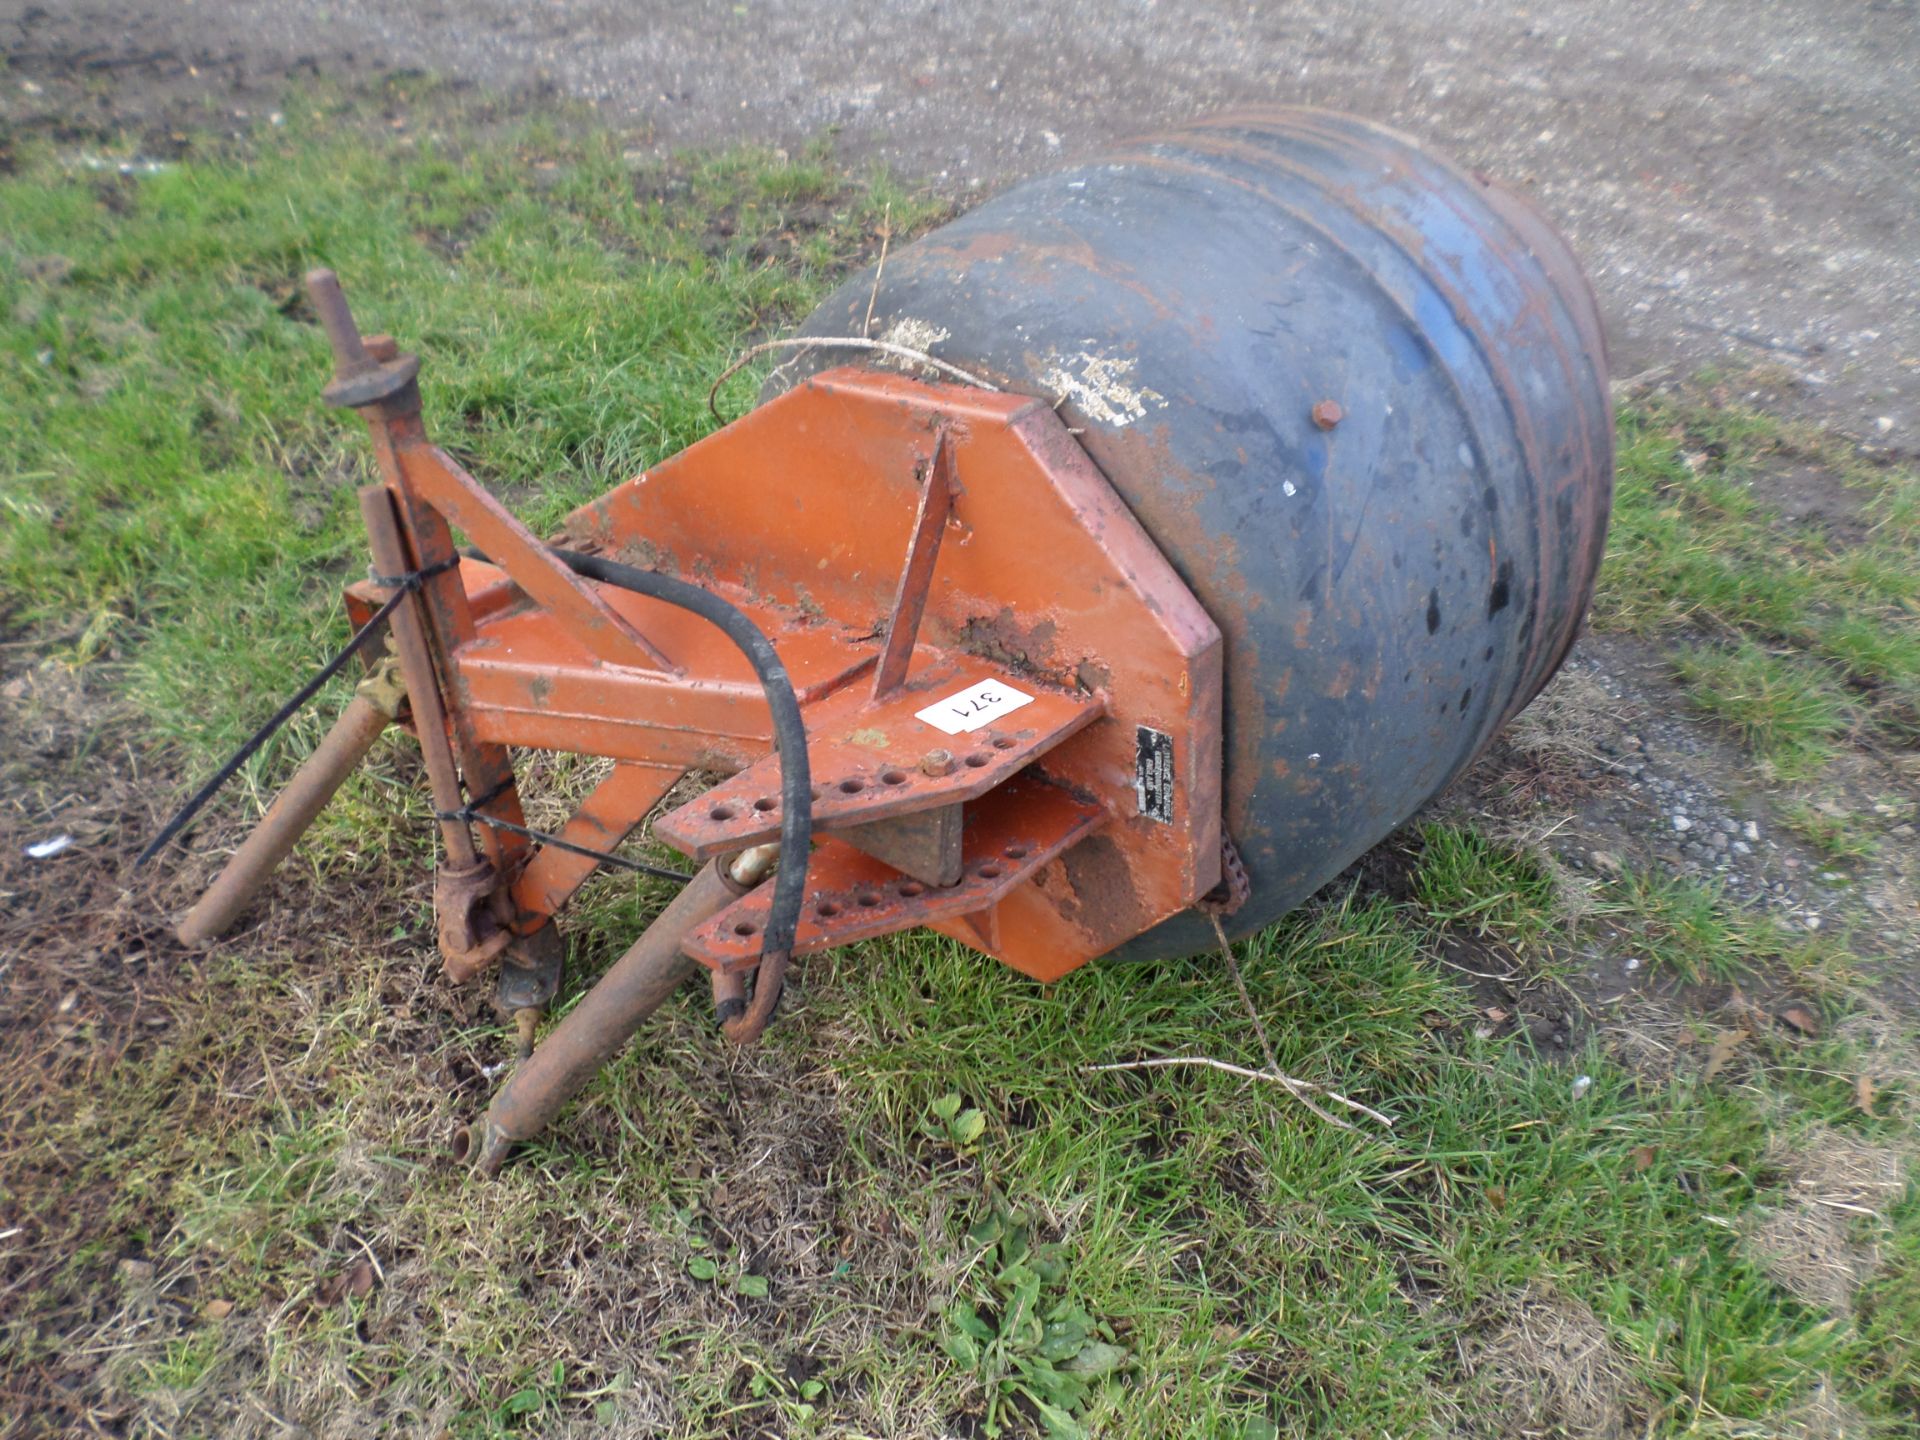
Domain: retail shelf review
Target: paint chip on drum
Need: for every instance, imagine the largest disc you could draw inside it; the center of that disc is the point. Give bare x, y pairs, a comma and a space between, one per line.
1101, 386
912, 334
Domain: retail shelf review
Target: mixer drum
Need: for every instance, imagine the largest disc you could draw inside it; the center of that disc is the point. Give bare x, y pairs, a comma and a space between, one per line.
1359, 399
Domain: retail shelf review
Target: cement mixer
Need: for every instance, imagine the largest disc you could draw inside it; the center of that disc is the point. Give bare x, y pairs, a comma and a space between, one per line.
1129, 555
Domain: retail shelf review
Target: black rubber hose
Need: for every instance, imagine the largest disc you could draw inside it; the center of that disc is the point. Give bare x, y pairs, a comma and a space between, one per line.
790, 735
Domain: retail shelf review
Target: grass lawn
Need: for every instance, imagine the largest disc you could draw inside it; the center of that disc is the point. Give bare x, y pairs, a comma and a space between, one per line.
224, 1207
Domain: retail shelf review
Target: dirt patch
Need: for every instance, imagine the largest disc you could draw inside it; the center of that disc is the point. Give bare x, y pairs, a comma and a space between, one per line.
1830, 1167
1805, 493
1547, 1366
86, 980
94, 989
1557, 748
1805, 1250
1885, 1054
1820, 1245
1823, 1415
320, 1052
1655, 1040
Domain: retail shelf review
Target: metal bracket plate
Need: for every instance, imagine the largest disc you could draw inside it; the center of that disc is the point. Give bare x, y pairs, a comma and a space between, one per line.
871, 758
1007, 836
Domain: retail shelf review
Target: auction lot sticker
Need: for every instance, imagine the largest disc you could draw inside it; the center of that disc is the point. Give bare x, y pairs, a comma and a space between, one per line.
973, 707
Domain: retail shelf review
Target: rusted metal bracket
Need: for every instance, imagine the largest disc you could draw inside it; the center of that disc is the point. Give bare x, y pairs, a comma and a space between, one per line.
531, 968
604, 819
1007, 837
445, 617
1235, 887
372, 375
870, 759
415, 654
366, 372
993, 678
925, 845
471, 937
580, 608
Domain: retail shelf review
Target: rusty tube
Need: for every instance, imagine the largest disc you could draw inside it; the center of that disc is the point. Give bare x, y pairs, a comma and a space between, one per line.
636, 985
293, 810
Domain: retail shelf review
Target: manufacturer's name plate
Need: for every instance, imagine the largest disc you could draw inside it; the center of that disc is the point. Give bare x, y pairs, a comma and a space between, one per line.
1153, 773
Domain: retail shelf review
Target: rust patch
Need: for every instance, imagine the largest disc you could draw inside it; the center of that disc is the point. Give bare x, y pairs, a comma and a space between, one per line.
1004, 640
1102, 886
1092, 677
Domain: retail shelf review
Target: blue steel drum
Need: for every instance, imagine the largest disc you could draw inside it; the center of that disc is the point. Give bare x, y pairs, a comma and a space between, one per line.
1394, 584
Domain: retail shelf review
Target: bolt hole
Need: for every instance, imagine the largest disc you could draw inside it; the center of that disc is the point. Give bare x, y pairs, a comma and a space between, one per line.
1015, 852
911, 888
976, 760
893, 777
816, 792
826, 909
853, 786
461, 1144
868, 899
745, 927
722, 812
990, 871
1005, 742
765, 803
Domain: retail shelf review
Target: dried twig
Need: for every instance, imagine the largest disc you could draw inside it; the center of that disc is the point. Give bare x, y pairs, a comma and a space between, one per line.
849, 342
873, 296
1233, 968
1300, 1089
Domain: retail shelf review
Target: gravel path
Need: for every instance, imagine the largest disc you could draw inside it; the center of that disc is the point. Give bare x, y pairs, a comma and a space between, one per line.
1741, 176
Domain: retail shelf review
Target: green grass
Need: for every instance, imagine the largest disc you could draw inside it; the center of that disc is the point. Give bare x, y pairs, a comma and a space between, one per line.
1465, 879
1692, 930
714, 1244
1806, 630
1834, 832
167, 470
1793, 713
1255, 1264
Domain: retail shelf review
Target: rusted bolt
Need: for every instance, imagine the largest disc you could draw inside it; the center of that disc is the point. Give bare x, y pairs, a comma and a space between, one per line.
1328, 414
937, 763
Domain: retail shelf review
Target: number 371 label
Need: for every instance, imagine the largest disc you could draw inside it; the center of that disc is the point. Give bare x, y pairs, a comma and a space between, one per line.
973, 707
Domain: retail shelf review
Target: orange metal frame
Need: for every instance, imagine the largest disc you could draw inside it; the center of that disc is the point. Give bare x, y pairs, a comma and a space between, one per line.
901, 543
